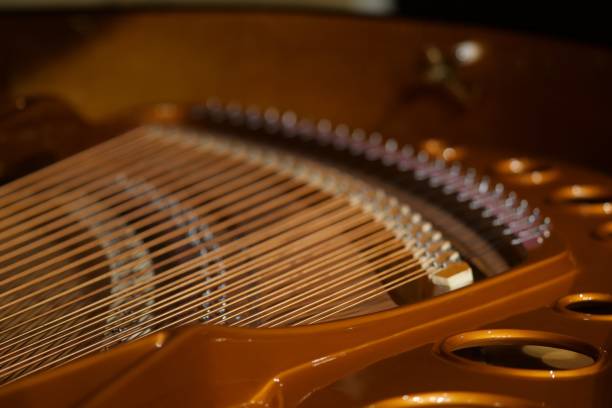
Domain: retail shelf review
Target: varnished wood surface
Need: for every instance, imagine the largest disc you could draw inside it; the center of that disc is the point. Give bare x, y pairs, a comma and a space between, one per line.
535, 95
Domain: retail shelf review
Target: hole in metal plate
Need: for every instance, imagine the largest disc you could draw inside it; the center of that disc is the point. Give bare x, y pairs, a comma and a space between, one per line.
587, 306
523, 352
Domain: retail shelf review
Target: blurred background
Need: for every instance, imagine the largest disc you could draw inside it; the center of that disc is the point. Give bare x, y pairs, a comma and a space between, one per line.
529, 80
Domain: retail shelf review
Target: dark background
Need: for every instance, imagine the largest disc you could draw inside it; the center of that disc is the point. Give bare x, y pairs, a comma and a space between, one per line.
543, 87
587, 22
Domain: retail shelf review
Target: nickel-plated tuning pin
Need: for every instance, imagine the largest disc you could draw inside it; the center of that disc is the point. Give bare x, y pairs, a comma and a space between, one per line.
215, 108
234, 113
253, 117
306, 129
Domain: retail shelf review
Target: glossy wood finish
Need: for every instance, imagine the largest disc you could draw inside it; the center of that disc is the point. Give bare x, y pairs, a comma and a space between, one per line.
538, 96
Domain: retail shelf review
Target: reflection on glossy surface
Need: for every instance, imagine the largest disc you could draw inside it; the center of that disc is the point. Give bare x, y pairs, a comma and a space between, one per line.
455, 399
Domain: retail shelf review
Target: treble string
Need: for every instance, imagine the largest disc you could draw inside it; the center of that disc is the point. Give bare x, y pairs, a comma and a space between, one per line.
160, 278
312, 227
71, 188
55, 173
242, 185
227, 263
151, 230
108, 201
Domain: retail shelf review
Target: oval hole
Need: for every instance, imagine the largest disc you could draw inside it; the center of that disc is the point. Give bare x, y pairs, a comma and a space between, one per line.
527, 356
523, 352
592, 307
587, 306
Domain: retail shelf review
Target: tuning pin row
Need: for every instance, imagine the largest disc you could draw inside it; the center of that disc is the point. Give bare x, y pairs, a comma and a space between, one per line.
479, 193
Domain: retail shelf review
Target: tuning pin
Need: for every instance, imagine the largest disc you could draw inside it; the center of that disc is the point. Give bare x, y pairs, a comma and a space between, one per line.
391, 146
306, 129
499, 189
357, 143
423, 156
253, 117
288, 122
405, 158
342, 135
271, 116
535, 214
342, 131
455, 169
234, 113
470, 175
484, 184
510, 200
390, 155
375, 139
439, 164
215, 109
272, 120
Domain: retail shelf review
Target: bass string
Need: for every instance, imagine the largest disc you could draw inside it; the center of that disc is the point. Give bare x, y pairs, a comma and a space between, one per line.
199, 300
193, 289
